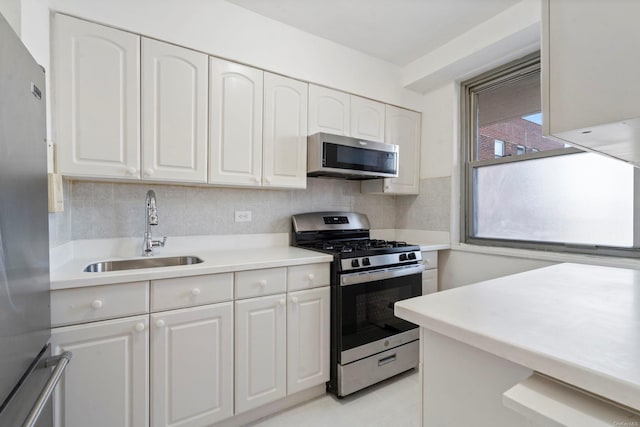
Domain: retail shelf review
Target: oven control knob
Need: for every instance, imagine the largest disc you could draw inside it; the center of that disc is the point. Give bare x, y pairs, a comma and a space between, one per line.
366, 261
403, 257
412, 255
355, 262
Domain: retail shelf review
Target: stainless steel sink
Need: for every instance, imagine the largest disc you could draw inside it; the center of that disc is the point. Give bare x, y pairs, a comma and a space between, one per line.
131, 264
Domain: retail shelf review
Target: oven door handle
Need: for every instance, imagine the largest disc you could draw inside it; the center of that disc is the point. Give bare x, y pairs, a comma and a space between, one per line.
380, 274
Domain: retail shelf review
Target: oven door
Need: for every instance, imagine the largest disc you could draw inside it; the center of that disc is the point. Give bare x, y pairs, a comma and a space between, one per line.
367, 324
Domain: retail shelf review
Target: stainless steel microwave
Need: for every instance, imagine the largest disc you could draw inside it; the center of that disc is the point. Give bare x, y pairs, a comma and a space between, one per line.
350, 158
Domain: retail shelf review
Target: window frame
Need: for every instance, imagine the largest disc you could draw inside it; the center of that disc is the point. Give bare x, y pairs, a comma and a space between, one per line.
468, 91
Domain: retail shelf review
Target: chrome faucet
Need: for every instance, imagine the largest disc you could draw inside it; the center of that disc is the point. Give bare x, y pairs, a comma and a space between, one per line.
151, 218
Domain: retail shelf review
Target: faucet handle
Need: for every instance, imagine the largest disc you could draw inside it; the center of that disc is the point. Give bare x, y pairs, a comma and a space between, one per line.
160, 243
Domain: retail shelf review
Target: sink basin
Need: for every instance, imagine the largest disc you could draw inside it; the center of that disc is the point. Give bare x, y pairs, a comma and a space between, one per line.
131, 264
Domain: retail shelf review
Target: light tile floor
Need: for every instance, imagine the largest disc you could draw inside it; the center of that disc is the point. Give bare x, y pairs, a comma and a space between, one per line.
394, 402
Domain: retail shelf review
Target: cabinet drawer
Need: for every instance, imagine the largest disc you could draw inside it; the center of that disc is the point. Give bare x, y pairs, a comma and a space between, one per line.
307, 276
430, 259
190, 291
255, 283
81, 305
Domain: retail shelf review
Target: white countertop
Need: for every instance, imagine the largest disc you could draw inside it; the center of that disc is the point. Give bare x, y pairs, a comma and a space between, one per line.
246, 252
67, 272
577, 323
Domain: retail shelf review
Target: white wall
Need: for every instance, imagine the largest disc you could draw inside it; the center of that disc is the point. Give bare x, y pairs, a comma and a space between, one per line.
10, 9
229, 31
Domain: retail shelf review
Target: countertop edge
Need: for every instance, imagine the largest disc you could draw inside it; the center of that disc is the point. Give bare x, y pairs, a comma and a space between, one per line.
595, 382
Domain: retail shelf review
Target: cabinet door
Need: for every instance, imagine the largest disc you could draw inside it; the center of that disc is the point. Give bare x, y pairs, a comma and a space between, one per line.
307, 338
329, 111
429, 281
106, 382
174, 112
97, 102
402, 127
192, 366
367, 119
235, 96
260, 351
284, 148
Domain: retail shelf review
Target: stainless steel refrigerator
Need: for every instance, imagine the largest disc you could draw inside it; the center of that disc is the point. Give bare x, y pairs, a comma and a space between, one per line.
27, 373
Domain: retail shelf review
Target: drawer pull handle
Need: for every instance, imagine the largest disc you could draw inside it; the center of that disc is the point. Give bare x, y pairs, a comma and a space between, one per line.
386, 360
311, 276
262, 283
159, 323
140, 327
96, 304
195, 292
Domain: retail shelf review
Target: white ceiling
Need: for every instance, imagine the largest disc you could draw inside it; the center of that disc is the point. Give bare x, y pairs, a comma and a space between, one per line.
397, 31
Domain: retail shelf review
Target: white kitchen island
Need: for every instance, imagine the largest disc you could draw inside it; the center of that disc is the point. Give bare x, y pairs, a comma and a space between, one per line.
554, 346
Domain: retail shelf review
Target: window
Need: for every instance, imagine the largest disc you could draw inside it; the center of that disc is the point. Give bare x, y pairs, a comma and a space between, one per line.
527, 191
498, 148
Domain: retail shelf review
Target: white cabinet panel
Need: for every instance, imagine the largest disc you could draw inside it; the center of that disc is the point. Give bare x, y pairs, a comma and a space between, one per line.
260, 351
258, 283
367, 119
307, 276
106, 383
97, 99
329, 111
235, 94
429, 281
402, 127
178, 292
174, 112
192, 366
307, 338
81, 305
285, 132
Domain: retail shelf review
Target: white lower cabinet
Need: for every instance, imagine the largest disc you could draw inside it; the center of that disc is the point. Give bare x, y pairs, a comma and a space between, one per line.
106, 383
260, 351
192, 366
307, 338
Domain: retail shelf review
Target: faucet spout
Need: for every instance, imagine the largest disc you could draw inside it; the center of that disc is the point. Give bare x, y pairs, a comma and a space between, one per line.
151, 218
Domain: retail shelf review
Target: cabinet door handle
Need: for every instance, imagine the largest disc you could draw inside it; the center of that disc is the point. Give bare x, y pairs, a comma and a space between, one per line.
195, 292
140, 327
96, 304
282, 302
294, 300
131, 171
148, 172
268, 180
159, 323
256, 179
311, 276
262, 283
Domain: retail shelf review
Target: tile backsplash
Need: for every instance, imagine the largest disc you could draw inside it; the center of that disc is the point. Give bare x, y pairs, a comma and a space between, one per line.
107, 209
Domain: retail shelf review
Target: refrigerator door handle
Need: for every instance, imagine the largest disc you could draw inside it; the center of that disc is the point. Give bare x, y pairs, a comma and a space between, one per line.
60, 362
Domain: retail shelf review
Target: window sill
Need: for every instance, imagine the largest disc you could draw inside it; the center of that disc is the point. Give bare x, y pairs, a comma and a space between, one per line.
607, 261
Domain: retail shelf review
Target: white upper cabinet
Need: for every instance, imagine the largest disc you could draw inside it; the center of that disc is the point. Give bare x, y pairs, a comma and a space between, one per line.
97, 99
174, 113
329, 111
339, 113
285, 132
367, 119
402, 127
192, 366
235, 138
590, 69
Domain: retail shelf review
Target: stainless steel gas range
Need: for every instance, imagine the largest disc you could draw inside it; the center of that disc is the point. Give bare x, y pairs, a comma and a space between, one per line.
368, 343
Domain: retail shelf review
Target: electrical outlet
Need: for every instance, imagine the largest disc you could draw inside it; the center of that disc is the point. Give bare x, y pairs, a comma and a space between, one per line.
243, 216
